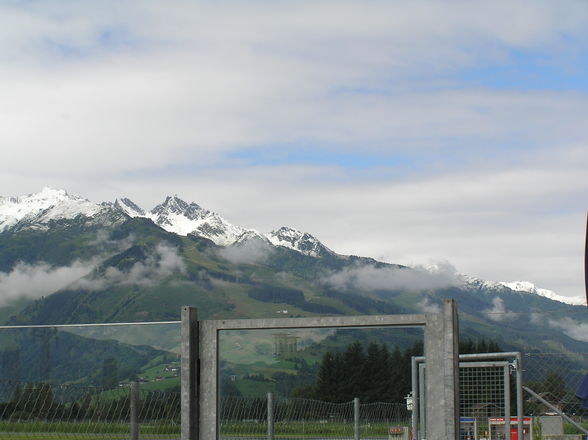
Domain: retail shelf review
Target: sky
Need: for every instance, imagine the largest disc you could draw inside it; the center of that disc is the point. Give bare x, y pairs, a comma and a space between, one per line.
416, 133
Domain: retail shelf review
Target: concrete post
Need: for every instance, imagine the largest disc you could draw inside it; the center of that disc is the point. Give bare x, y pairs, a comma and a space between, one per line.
270, 416
442, 383
189, 373
134, 403
356, 418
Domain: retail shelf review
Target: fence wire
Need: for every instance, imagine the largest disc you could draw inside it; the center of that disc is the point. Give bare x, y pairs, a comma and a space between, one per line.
555, 377
248, 417
42, 411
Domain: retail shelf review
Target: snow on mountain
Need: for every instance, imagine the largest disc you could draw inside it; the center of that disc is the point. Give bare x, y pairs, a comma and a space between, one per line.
527, 287
299, 241
129, 207
177, 216
40, 208
521, 287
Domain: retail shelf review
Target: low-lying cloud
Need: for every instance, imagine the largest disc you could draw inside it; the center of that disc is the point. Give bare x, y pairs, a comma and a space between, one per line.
498, 312
370, 277
33, 281
249, 252
571, 328
163, 262
428, 306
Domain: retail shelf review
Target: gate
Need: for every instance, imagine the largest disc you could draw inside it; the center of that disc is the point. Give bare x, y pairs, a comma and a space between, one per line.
486, 393
200, 387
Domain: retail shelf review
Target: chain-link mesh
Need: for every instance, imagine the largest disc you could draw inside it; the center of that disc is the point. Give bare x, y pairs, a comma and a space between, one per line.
303, 418
555, 377
35, 411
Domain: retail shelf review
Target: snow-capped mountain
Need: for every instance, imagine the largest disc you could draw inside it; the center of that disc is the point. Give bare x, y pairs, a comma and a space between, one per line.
527, 287
299, 241
174, 215
177, 216
129, 207
523, 287
40, 208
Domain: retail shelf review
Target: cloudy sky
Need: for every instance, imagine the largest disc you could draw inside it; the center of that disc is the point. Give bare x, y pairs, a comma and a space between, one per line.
412, 132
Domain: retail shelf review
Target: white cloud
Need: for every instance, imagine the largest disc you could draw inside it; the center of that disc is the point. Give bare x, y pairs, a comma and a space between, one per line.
146, 99
33, 281
192, 81
250, 251
162, 263
375, 278
499, 312
427, 306
577, 331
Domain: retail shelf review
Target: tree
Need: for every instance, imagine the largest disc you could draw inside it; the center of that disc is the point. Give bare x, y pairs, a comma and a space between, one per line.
110, 373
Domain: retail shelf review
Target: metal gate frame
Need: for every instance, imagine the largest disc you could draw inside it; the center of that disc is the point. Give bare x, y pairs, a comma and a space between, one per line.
199, 375
508, 361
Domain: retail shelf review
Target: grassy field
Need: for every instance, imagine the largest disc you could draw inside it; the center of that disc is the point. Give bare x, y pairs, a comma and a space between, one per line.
115, 431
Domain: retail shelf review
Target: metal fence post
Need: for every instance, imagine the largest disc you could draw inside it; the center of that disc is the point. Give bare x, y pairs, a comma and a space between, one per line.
134, 403
356, 418
507, 401
520, 415
415, 397
189, 373
270, 416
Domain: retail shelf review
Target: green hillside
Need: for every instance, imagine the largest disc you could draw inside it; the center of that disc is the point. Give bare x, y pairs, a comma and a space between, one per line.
143, 273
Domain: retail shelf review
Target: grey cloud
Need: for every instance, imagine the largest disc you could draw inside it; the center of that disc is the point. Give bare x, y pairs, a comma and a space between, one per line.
37, 280
250, 251
370, 277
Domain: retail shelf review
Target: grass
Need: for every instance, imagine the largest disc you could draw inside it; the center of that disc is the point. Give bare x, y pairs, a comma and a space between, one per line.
307, 429
115, 431
81, 428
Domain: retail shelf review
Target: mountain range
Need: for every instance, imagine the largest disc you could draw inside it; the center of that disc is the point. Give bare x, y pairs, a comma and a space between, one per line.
64, 259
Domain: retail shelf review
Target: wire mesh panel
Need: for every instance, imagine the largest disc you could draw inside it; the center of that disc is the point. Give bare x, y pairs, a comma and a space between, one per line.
484, 391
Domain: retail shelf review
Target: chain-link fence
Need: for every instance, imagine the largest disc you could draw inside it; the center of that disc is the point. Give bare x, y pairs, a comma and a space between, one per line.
35, 411
306, 418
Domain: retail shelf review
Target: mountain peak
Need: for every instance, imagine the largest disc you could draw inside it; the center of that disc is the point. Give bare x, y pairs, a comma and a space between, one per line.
177, 206
528, 287
39, 208
129, 207
297, 240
